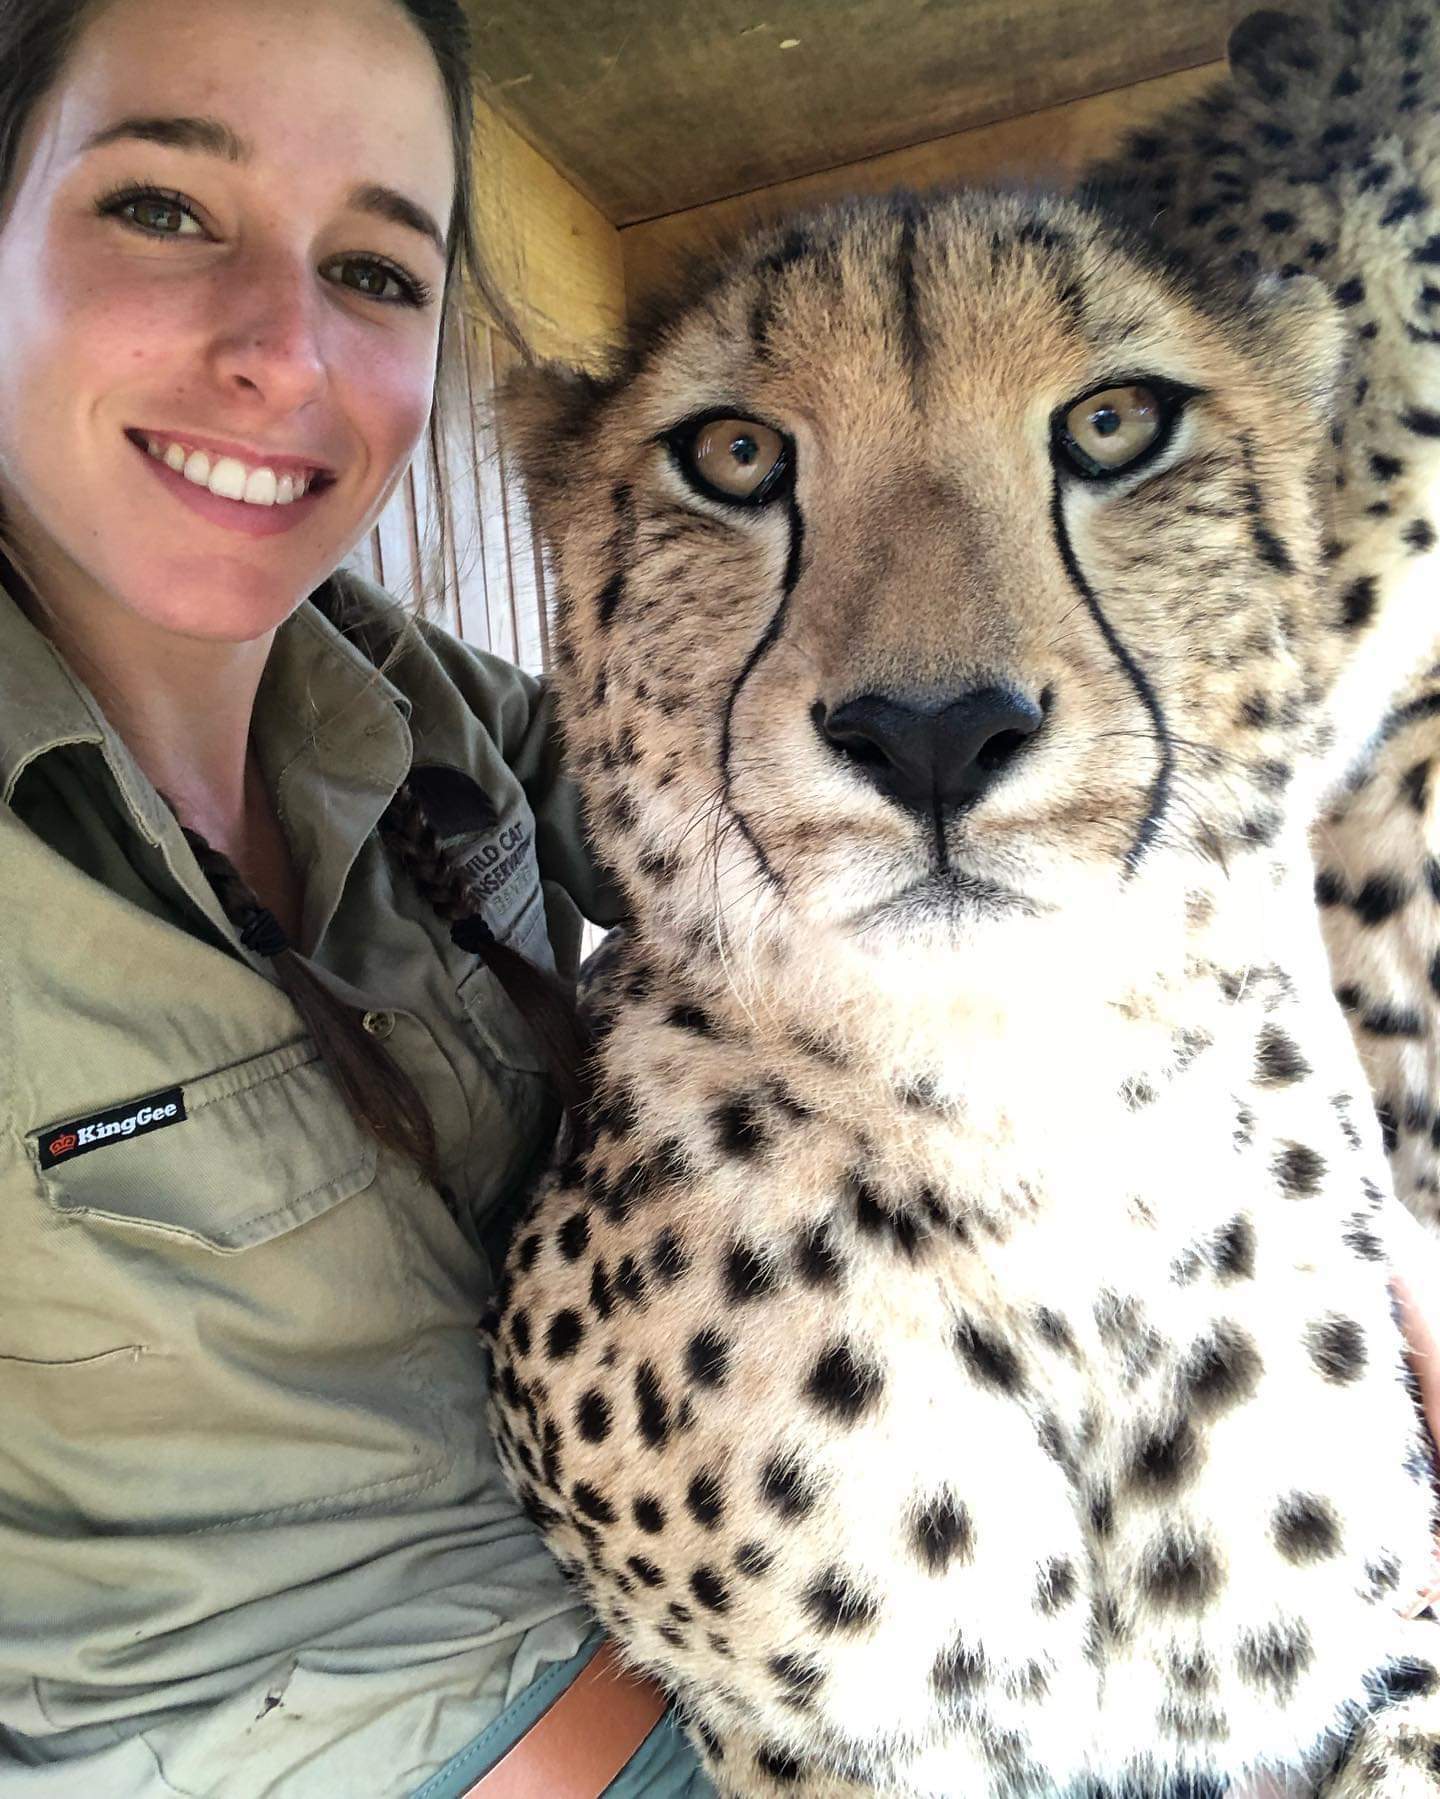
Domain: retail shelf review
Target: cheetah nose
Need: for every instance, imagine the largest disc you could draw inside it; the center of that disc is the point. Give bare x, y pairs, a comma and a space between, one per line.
927, 754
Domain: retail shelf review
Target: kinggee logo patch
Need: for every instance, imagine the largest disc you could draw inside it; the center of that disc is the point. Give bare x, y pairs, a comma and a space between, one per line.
135, 1118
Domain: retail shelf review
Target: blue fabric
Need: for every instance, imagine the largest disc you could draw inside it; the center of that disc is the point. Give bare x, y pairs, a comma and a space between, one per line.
663, 1767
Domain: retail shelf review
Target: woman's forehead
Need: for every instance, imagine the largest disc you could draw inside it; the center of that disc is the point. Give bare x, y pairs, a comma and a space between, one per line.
348, 86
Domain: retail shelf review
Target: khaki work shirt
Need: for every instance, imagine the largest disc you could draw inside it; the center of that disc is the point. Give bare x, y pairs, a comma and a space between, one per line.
253, 1538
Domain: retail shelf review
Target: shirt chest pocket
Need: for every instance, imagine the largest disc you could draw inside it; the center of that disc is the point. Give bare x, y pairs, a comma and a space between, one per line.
260, 1259
263, 1146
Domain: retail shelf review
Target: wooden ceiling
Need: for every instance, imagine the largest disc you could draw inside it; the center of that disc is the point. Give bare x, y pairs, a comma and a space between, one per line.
650, 106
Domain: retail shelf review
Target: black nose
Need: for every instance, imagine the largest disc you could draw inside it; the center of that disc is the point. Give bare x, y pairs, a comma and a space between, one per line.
929, 754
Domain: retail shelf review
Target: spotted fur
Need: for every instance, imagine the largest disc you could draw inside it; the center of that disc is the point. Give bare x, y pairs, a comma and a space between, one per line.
956, 1353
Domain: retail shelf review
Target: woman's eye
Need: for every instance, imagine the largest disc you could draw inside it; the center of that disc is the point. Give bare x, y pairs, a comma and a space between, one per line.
379, 281
162, 215
1109, 429
738, 458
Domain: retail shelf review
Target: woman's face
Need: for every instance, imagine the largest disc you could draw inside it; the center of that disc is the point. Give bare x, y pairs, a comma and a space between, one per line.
221, 246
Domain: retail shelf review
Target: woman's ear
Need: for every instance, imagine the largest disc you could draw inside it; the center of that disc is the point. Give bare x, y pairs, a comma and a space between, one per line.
545, 410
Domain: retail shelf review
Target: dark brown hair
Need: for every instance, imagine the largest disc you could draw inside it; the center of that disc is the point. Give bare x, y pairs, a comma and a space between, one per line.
36, 38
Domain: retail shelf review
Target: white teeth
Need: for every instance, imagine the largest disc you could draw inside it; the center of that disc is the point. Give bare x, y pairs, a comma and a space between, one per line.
227, 478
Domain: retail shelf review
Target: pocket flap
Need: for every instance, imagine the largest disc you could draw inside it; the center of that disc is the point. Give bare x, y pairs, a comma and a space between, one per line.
263, 1146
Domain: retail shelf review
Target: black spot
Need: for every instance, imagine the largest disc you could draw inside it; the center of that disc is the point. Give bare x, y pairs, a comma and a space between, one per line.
649, 1514
653, 1413
707, 1357
989, 1358
520, 1331
564, 1333
1337, 1348
785, 1487
706, 1498
1275, 1657
835, 1604
841, 1384
1419, 535
1165, 1460
668, 1259
1404, 205
1102, 1511
957, 1670
877, 1220
691, 1018
1422, 423
645, 1570
1330, 890
1278, 1061
573, 1237
1306, 1528
749, 1273
1278, 222
1351, 292
1358, 602
1380, 898
1183, 1572
1386, 468
593, 1416
1392, 1021
778, 1764
526, 1251
1415, 784
1053, 1328
1383, 1575
1234, 1249
1221, 1370
1361, 1240
1406, 1677
753, 1559
601, 1296
1055, 1584
1299, 1170
797, 1675
942, 1532
710, 1589
630, 1281
816, 1258
593, 1502
739, 1127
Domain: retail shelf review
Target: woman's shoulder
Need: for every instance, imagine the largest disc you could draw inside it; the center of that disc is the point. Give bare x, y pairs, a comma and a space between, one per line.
441, 676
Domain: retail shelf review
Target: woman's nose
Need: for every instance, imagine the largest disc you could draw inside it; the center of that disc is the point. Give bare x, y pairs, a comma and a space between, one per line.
267, 333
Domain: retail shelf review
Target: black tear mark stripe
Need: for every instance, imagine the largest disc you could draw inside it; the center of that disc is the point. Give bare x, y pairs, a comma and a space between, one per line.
769, 637
1139, 680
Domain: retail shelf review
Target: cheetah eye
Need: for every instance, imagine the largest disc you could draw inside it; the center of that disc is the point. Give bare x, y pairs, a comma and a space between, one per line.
1109, 430
734, 459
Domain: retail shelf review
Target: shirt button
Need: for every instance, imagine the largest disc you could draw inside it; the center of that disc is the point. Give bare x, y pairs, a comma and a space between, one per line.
379, 1024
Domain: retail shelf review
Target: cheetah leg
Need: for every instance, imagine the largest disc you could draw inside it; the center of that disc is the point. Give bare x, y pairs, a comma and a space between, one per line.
1395, 1752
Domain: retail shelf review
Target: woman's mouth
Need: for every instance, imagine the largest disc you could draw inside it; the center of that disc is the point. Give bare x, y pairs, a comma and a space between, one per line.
246, 494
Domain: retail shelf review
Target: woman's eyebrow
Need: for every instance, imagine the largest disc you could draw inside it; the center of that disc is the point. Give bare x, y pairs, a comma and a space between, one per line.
217, 139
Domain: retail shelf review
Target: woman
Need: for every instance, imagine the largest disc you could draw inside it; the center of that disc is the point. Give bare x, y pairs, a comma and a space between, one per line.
252, 1533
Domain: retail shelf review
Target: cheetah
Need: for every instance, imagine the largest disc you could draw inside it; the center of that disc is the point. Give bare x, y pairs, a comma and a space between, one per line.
955, 1352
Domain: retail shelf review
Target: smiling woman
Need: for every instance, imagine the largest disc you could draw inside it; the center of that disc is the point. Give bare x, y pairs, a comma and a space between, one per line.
287, 880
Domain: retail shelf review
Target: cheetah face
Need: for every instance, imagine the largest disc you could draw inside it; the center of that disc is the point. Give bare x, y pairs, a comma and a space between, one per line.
935, 561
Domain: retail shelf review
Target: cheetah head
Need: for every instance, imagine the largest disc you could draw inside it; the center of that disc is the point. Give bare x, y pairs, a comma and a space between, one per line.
936, 562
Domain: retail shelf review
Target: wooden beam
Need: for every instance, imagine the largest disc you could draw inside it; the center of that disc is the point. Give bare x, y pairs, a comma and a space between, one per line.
1046, 148
554, 259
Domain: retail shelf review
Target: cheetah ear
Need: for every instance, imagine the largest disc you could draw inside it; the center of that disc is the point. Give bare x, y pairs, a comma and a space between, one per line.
1266, 47
545, 411
1295, 328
